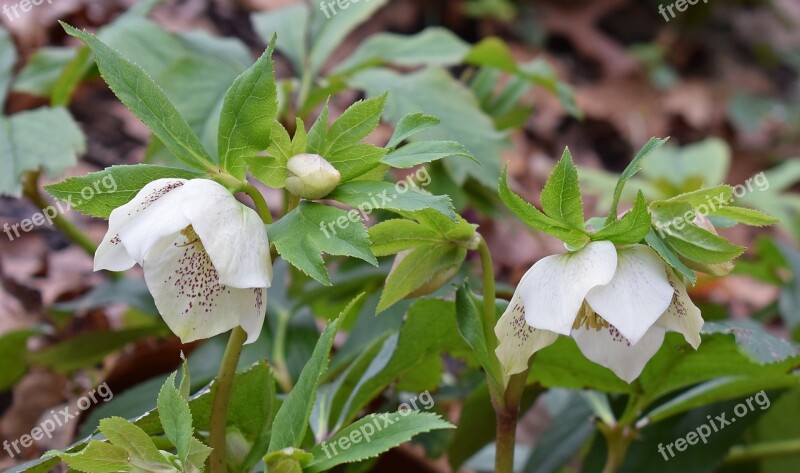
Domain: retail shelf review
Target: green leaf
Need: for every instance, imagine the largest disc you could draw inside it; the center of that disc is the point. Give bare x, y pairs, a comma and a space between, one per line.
633, 168
176, 418
311, 229
754, 341
751, 217
23, 149
410, 125
422, 152
417, 268
143, 452
248, 113
433, 91
389, 430
97, 457
198, 454
271, 169
112, 187
561, 196
431, 47
13, 347
469, 318
665, 252
632, 228
43, 70
8, 58
291, 421
536, 219
370, 195
718, 196
394, 236
147, 100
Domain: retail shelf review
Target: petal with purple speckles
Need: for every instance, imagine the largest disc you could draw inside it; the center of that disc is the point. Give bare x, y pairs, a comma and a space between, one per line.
682, 315
518, 340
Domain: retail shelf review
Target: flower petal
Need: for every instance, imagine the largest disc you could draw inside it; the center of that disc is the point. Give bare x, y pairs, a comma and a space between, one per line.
607, 347
112, 253
518, 340
553, 290
185, 286
637, 295
682, 315
233, 235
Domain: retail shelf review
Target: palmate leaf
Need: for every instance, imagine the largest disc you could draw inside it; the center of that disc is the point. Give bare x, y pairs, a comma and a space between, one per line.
175, 416
311, 229
561, 196
410, 125
631, 228
137, 90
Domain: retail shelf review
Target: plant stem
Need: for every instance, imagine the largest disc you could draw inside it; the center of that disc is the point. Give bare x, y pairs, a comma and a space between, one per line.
278, 353
507, 423
30, 186
618, 439
778, 448
261, 205
219, 411
489, 296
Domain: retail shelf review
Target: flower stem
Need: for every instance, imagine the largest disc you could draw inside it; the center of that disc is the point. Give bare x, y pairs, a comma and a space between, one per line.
489, 295
778, 448
618, 439
219, 412
30, 185
507, 423
260, 203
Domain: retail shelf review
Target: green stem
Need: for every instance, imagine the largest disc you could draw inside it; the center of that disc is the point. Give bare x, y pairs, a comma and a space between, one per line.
778, 448
260, 203
507, 415
489, 296
618, 439
278, 353
219, 411
30, 185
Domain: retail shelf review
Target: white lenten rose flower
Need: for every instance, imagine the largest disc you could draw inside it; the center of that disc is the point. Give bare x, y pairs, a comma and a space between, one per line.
616, 303
205, 256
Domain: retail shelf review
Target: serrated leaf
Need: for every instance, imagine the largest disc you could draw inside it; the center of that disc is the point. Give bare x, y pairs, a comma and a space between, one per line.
632, 228
751, 217
311, 229
249, 109
536, 219
417, 268
665, 252
119, 184
271, 169
423, 152
386, 195
718, 196
291, 421
401, 428
633, 168
410, 125
561, 196
140, 447
147, 101
23, 149
97, 457
176, 418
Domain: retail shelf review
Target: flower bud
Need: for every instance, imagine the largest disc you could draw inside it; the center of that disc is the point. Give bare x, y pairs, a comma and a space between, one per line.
288, 460
310, 177
720, 269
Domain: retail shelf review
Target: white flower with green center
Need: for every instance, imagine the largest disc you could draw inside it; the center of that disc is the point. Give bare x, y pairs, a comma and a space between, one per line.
205, 256
616, 303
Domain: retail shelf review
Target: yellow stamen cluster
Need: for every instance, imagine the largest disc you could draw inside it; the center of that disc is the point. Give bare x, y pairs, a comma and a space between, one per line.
589, 319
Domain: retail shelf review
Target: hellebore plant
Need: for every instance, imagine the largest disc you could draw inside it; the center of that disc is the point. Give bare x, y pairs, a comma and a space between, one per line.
208, 263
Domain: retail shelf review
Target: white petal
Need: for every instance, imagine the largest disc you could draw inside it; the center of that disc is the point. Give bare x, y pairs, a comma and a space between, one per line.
112, 254
607, 347
188, 295
233, 234
518, 340
637, 295
553, 290
682, 315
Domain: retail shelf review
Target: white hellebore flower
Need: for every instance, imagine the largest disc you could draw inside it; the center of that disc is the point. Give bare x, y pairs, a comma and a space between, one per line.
205, 256
616, 303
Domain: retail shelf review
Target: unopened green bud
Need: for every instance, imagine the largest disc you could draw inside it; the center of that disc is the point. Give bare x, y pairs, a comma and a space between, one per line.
310, 177
288, 460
